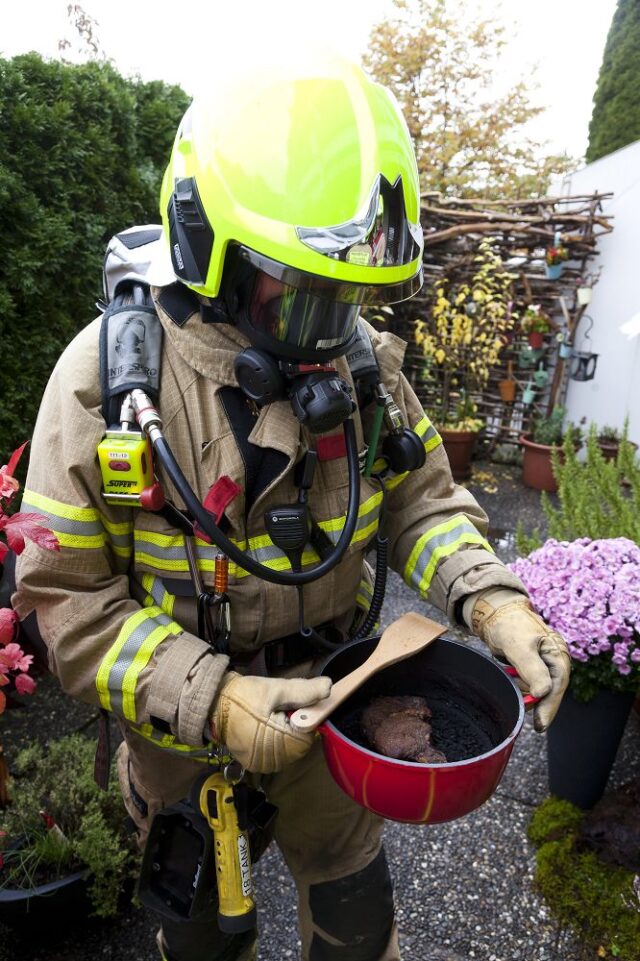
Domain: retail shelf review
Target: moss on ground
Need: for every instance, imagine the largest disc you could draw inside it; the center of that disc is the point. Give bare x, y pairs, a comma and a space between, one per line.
596, 900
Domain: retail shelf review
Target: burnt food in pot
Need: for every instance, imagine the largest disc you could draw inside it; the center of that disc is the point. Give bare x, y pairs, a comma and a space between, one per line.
399, 727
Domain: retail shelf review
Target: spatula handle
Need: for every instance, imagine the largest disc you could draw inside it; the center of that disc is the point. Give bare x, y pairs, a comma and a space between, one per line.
405, 637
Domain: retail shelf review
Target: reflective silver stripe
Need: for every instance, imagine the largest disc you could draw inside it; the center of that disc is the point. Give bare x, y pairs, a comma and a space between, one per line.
366, 524
65, 525
436, 544
116, 688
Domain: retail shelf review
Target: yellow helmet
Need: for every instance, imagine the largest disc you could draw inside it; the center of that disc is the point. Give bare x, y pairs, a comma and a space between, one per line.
292, 193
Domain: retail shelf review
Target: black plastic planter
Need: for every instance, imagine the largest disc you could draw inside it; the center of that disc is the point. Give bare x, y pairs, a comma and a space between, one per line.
58, 902
582, 743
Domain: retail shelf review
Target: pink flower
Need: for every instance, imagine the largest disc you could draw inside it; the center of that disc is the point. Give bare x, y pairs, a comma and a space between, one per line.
8, 484
13, 658
589, 591
25, 684
8, 625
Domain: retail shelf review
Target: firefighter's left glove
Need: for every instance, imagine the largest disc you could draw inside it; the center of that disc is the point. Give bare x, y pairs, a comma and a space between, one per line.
250, 717
512, 630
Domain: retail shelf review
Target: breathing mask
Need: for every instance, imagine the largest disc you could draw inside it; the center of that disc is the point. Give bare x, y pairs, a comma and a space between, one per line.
295, 330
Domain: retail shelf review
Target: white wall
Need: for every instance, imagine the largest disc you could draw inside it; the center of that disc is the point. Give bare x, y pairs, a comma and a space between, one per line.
615, 390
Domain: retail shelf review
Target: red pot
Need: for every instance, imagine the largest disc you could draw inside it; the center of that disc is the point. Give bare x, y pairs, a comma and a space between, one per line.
477, 714
536, 339
459, 446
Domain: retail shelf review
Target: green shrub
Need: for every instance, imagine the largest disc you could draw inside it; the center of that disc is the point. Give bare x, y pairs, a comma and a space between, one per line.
82, 153
597, 498
597, 901
548, 428
59, 781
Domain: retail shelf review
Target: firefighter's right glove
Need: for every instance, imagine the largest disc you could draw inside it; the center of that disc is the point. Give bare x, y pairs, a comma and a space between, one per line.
250, 717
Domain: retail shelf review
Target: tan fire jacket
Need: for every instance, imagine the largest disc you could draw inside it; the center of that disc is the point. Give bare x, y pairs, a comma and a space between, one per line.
113, 605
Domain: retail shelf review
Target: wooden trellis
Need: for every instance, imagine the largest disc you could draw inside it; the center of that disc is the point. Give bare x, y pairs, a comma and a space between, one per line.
520, 231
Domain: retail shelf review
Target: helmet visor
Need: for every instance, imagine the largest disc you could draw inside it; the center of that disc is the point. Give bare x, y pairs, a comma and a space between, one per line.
298, 314
299, 318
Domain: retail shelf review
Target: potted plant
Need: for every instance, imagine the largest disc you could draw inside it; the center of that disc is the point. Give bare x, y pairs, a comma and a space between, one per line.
609, 440
554, 259
535, 323
589, 591
547, 434
461, 338
459, 431
64, 848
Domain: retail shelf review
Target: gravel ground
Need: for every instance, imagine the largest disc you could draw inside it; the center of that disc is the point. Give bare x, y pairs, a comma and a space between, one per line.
463, 890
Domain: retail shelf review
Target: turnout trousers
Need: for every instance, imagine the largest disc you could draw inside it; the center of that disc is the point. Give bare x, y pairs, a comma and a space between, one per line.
331, 845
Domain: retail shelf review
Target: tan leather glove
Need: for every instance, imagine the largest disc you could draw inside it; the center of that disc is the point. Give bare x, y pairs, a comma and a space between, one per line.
249, 717
511, 629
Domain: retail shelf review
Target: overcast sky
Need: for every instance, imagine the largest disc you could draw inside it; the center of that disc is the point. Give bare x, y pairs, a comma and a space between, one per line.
559, 42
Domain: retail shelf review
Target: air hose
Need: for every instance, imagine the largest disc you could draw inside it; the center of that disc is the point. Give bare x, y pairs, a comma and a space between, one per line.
151, 423
380, 580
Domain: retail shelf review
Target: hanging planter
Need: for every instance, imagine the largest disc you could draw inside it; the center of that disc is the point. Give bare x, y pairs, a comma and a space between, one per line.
535, 323
508, 386
528, 394
565, 351
584, 296
554, 259
553, 271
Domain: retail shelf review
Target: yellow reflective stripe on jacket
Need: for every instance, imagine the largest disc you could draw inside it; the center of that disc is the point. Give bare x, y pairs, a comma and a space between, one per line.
166, 552
169, 743
366, 525
157, 594
118, 674
434, 545
82, 528
364, 595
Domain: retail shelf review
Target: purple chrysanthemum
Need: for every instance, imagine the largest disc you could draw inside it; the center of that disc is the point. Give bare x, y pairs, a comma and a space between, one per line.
589, 591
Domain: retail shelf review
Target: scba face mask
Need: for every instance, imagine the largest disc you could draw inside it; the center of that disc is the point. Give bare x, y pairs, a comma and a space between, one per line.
295, 330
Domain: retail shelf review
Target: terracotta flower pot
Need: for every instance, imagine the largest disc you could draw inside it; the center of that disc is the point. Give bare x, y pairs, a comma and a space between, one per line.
459, 445
537, 471
609, 448
507, 390
536, 339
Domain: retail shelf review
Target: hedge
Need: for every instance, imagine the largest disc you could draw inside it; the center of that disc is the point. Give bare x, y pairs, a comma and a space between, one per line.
82, 152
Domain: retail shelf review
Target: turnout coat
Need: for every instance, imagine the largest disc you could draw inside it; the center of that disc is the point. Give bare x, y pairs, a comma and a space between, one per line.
116, 606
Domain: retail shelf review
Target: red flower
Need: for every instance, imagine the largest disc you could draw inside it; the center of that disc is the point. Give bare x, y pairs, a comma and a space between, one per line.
8, 625
25, 684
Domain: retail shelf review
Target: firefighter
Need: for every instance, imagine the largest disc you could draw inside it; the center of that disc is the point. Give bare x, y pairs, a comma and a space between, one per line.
290, 202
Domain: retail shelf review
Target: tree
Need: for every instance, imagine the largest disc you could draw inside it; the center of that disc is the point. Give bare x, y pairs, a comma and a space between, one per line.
82, 153
615, 121
469, 138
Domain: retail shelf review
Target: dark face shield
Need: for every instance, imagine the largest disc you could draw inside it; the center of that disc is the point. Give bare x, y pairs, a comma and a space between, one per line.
299, 319
296, 315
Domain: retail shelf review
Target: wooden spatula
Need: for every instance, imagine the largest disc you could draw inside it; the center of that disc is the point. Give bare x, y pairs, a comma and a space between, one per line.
406, 636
